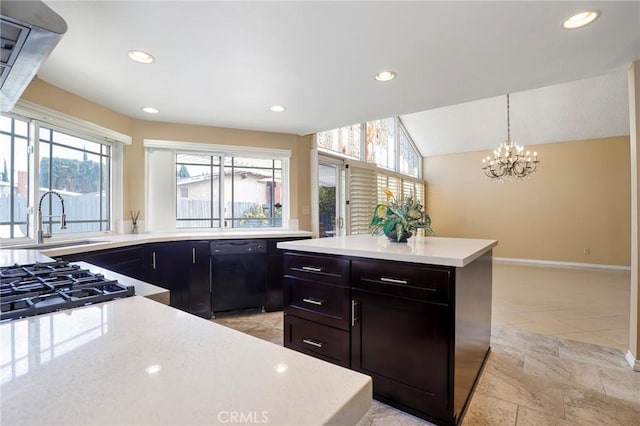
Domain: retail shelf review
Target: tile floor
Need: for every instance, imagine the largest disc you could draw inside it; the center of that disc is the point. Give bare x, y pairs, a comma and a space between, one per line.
588, 305
557, 378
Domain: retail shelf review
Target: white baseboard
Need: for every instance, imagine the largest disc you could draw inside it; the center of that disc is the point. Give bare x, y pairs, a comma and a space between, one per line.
633, 362
559, 264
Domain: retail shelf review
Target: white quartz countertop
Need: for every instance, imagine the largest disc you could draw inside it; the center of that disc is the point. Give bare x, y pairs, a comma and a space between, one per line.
137, 362
429, 250
52, 248
20, 257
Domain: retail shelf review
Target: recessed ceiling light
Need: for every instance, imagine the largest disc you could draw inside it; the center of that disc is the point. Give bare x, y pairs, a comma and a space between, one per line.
151, 110
141, 56
580, 19
277, 108
385, 75
153, 369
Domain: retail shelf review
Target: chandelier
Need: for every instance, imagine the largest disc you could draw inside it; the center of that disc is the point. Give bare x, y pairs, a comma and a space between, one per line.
509, 160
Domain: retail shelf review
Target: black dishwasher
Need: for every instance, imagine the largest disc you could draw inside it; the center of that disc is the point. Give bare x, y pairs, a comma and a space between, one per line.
238, 274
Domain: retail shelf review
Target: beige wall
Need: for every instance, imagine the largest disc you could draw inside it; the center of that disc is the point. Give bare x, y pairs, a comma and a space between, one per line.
578, 198
50, 96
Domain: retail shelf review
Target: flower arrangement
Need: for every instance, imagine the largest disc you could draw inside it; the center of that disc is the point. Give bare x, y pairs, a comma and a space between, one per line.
399, 219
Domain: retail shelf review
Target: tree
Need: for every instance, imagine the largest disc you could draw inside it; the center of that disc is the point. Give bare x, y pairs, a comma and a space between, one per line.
5, 173
254, 212
70, 175
183, 172
327, 204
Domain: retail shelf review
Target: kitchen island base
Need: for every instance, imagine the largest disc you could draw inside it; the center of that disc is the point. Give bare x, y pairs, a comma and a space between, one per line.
420, 330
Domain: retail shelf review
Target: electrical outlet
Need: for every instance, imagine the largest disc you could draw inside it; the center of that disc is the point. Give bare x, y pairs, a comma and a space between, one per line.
306, 210
586, 250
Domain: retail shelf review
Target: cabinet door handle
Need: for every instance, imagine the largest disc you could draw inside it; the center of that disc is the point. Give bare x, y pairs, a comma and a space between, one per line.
313, 343
193, 255
354, 306
312, 269
313, 301
393, 280
153, 260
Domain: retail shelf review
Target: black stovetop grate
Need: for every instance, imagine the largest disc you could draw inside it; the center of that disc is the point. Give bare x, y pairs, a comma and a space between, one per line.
39, 288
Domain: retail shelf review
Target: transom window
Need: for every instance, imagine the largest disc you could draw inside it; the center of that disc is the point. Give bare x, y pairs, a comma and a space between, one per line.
344, 141
381, 144
410, 159
385, 143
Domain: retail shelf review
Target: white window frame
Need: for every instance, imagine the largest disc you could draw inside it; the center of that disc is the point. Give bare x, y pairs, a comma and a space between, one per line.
166, 220
37, 115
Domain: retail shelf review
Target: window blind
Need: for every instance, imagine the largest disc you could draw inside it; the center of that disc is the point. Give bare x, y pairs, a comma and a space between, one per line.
366, 185
362, 198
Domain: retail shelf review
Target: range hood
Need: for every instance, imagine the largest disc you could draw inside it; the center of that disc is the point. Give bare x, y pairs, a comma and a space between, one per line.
29, 31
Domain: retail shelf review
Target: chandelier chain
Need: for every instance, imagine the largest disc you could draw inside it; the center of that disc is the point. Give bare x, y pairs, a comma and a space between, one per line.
508, 121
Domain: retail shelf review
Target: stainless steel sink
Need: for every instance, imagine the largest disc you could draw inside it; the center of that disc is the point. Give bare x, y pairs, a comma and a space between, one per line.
56, 244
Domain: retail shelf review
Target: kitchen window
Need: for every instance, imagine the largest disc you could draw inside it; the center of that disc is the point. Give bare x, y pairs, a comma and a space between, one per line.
215, 186
43, 150
228, 191
79, 170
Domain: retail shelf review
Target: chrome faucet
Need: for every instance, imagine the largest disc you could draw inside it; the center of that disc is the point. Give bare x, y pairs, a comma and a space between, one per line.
63, 217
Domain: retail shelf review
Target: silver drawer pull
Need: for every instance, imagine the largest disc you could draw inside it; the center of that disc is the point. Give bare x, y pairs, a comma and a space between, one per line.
312, 269
313, 343
393, 280
354, 305
313, 301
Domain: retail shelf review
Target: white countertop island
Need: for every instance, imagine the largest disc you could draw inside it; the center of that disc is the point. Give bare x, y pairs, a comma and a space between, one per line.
138, 362
457, 252
429, 299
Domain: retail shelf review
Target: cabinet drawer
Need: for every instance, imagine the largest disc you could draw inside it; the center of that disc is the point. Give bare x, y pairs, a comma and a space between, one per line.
326, 304
330, 270
320, 341
428, 283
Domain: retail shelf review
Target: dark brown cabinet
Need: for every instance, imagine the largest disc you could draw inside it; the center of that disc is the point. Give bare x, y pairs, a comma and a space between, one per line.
317, 306
182, 267
420, 331
318, 340
199, 278
275, 273
185, 269
401, 334
167, 266
127, 261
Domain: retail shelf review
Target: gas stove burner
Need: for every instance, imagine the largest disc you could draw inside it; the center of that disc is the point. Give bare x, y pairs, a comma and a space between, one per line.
39, 288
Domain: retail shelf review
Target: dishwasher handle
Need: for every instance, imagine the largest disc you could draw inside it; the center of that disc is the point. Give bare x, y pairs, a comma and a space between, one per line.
224, 247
